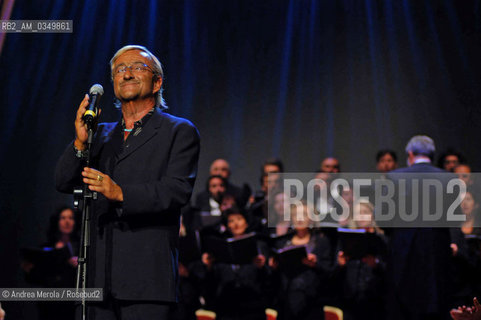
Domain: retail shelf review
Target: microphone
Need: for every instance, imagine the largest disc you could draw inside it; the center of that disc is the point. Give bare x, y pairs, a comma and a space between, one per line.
90, 115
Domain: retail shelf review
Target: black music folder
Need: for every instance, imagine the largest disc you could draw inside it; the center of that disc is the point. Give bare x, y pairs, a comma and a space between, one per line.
240, 250
47, 260
358, 243
290, 259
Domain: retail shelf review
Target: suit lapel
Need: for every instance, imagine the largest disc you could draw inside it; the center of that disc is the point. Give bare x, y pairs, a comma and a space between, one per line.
148, 132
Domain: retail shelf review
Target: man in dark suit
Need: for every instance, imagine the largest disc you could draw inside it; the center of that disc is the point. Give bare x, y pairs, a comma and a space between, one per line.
420, 255
216, 188
221, 167
143, 168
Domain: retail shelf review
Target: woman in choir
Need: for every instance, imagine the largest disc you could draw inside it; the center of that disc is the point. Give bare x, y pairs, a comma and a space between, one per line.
470, 207
237, 291
359, 284
304, 288
62, 245
466, 251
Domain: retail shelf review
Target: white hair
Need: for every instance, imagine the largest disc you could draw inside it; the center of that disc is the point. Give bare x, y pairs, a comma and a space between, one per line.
421, 145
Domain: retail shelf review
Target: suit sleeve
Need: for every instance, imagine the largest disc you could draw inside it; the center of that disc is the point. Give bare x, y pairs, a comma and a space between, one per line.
172, 190
68, 171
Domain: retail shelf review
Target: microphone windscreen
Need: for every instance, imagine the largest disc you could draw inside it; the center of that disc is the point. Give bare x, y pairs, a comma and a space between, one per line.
97, 89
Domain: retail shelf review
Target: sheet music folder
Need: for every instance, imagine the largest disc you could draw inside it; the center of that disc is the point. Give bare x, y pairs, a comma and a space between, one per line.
241, 250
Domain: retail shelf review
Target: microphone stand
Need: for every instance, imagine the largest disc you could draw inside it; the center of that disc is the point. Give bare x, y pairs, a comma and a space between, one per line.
87, 196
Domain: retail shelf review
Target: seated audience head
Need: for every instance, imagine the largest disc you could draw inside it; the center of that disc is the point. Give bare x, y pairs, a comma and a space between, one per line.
386, 160
228, 201
236, 221
278, 206
273, 183
300, 217
469, 205
348, 195
364, 215
330, 165
464, 173
216, 185
220, 167
450, 159
62, 224
270, 166
420, 147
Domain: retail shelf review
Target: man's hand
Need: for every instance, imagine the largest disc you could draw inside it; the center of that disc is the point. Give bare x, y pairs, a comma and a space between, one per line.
259, 261
183, 271
454, 249
370, 260
81, 134
2, 313
273, 263
208, 260
310, 260
342, 259
102, 183
73, 261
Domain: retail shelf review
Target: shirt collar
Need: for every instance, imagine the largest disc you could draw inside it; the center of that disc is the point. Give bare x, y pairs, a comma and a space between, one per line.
140, 123
421, 160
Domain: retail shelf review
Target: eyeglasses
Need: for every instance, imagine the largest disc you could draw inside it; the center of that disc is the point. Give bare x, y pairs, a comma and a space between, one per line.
137, 67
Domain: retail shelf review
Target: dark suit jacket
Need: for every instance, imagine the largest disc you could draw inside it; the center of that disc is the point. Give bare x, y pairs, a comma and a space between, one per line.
134, 248
419, 258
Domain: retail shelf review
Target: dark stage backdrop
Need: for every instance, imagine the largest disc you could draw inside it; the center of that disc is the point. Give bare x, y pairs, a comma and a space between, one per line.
298, 79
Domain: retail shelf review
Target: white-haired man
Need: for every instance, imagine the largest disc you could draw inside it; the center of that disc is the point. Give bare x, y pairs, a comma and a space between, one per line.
143, 167
419, 260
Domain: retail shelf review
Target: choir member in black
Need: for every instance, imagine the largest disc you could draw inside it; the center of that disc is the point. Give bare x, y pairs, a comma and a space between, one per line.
303, 290
262, 207
466, 245
358, 284
237, 291
271, 165
470, 208
279, 224
62, 237
463, 171
221, 167
208, 214
450, 159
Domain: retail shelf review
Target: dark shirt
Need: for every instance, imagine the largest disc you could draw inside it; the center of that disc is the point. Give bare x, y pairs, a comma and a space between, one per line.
138, 125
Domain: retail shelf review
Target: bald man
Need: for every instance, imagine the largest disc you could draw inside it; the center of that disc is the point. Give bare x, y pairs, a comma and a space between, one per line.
220, 167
